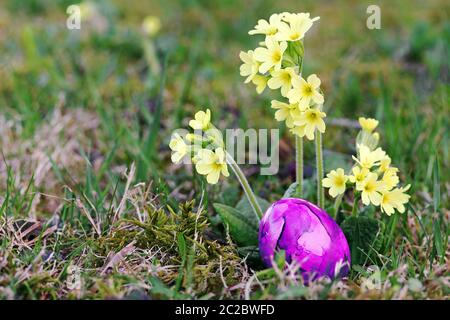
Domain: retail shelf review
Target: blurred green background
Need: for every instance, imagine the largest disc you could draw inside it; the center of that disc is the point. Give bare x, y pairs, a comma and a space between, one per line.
77, 107
398, 74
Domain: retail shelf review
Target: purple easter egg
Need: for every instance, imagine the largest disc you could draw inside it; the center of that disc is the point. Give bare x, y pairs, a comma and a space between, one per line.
308, 235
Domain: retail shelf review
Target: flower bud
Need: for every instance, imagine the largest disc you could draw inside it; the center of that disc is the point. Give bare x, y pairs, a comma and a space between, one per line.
151, 25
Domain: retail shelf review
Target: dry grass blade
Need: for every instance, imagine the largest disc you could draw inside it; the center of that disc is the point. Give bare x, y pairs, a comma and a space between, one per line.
119, 256
81, 206
121, 207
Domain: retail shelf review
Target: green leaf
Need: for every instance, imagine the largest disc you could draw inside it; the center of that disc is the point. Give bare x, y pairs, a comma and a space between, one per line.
230, 194
438, 242
246, 210
291, 192
361, 233
293, 292
359, 269
436, 185
181, 246
242, 229
251, 254
251, 251
309, 189
280, 259
182, 251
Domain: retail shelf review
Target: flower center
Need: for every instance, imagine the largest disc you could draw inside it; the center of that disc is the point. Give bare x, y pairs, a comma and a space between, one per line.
369, 187
294, 36
312, 116
286, 77
366, 163
276, 56
271, 31
339, 181
385, 199
307, 90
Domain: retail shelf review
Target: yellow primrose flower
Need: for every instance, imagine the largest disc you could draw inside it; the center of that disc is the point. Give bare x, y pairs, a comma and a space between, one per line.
268, 28
371, 189
179, 148
298, 25
310, 120
260, 82
285, 16
250, 66
286, 112
282, 79
298, 130
390, 178
151, 25
394, 199
368, 124
335, 180
368, 159
271, 56
202, 120
211, 164
359, 174
385, 163
303, 92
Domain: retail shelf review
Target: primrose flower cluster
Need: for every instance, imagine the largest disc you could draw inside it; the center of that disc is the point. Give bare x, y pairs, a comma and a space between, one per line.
372, 175
277, 64
205, 150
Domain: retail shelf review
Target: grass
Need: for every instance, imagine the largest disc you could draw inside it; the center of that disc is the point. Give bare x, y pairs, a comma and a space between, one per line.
86, 180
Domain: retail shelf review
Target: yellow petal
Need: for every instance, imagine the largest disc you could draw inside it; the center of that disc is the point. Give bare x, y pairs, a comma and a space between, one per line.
213, 177
314, 81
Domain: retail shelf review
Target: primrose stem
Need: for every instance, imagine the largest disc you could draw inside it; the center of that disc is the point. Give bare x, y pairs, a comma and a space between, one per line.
299, 164
245, 185
337, 204
319, 166
355, 205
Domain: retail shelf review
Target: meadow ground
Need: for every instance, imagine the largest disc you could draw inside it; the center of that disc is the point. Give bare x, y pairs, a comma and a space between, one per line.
91, 205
